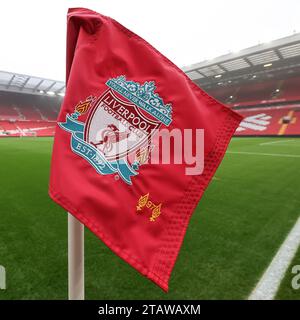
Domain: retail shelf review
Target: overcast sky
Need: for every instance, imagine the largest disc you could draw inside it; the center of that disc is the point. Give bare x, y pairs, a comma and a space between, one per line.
33, 32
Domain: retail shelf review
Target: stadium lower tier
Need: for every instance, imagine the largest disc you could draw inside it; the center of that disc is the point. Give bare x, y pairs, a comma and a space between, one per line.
263, 121
259, 121
27, 128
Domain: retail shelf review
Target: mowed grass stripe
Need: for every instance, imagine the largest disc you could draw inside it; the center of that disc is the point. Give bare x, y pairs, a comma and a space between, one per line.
235, 231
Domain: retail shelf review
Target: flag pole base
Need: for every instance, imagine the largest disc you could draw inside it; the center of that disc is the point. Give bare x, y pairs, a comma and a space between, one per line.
75, 258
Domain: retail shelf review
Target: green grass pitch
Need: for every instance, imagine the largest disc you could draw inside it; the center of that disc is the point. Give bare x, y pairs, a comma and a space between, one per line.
241, 221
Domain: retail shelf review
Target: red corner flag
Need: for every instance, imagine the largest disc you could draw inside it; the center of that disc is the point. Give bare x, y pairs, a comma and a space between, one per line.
121, 92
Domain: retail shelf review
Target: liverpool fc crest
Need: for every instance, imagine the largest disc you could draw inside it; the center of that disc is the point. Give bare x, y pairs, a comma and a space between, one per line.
120, 122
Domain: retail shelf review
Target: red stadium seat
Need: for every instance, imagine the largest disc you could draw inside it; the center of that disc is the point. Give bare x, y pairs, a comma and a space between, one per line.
279, 120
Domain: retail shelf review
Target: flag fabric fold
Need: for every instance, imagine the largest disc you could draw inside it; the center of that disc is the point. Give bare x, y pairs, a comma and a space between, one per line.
120, 91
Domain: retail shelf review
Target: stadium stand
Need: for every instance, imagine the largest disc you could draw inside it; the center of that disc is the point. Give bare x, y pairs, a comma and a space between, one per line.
266, 92
261, 82
270, 107
28, 105
279, 120
27, 115
291, 89
26, 128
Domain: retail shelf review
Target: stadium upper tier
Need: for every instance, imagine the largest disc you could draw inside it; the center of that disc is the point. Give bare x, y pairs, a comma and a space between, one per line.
259, 93
261, 82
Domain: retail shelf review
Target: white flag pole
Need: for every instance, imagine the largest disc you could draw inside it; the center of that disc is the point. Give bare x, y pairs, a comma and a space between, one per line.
75, 258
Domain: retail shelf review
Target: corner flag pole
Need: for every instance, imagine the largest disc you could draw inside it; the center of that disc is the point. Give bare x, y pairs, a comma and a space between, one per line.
75, 258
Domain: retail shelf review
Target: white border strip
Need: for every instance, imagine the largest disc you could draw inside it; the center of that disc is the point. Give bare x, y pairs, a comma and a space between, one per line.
268, 285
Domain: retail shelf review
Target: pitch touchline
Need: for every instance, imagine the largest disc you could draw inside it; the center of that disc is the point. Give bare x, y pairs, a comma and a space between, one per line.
272, 142
268, 285
267, 154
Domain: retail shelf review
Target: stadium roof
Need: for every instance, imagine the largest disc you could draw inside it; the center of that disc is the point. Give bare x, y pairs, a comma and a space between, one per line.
15, 82
260, 62
282, 55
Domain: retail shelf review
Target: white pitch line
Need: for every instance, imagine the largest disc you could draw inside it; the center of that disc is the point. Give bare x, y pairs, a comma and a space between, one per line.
266, 154
268, 285
272, 142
